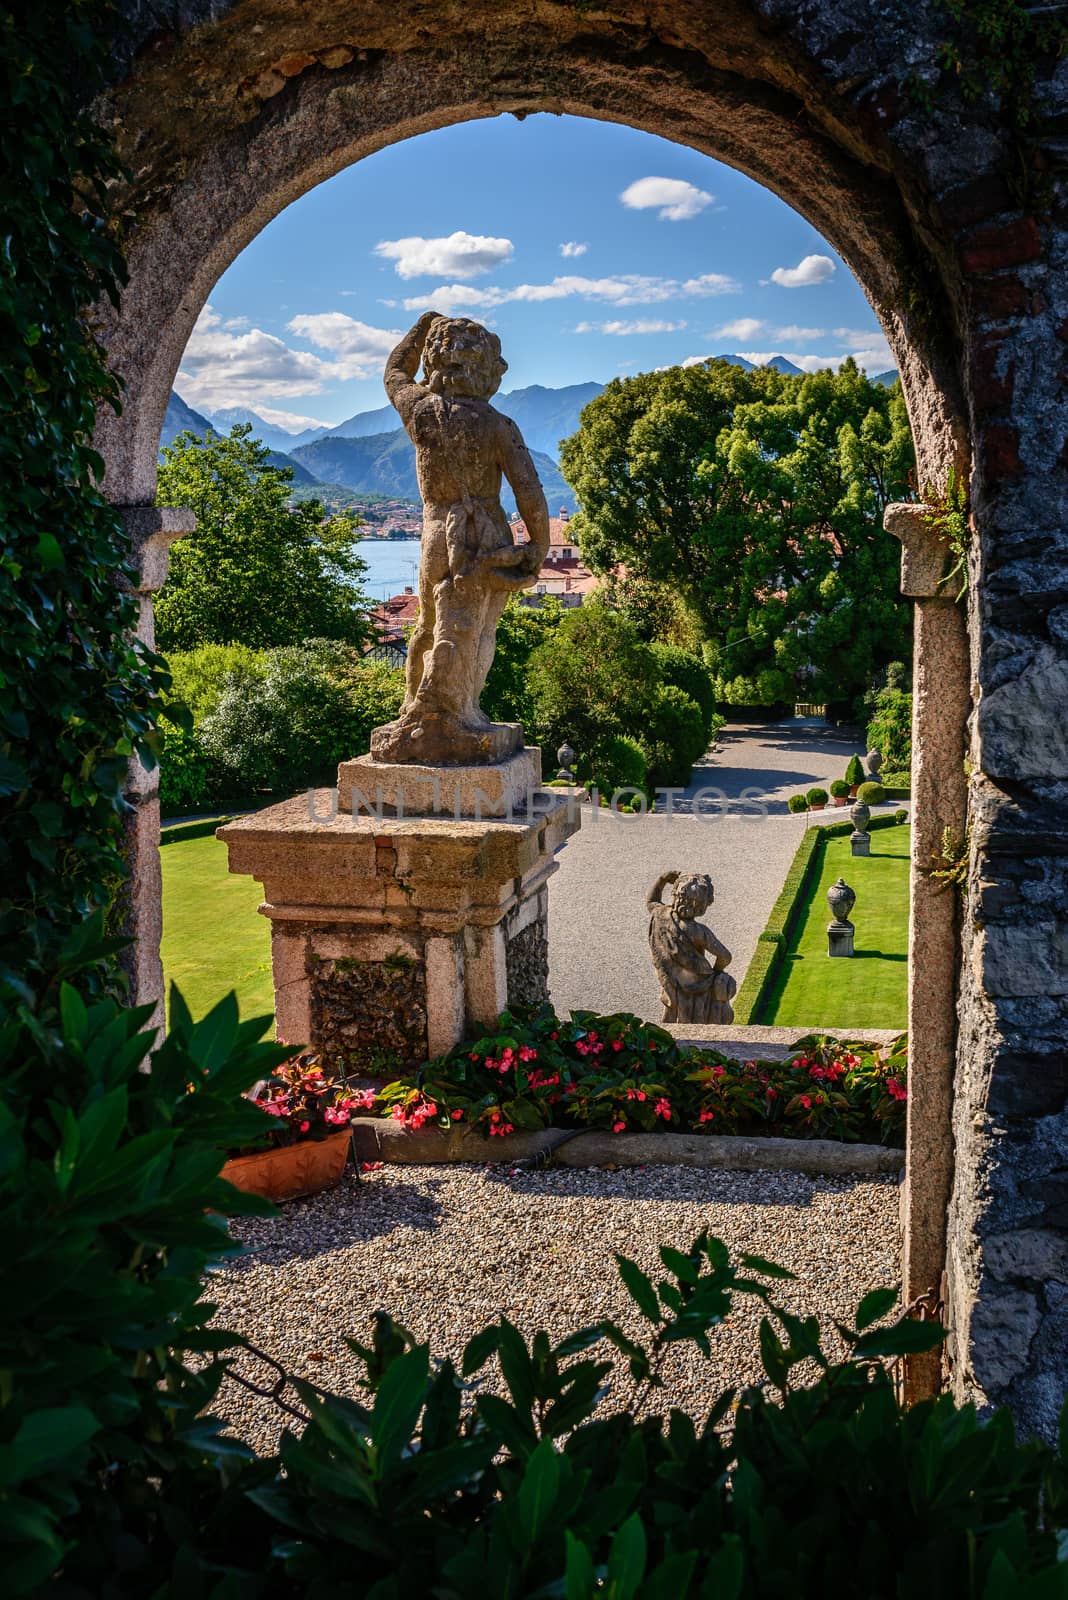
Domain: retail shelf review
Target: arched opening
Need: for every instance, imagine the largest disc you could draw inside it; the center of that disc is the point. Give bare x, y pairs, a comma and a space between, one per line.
279, 128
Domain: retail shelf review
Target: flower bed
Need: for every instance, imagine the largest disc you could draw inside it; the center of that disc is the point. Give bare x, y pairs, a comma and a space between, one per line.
620, 1075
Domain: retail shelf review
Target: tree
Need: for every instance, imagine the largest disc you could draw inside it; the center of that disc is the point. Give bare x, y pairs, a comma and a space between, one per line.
258, 570
758, 497
506, 696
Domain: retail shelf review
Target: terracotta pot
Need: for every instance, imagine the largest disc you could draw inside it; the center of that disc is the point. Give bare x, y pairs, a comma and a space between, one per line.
839, 799
815, 805
291, 1170
853, 790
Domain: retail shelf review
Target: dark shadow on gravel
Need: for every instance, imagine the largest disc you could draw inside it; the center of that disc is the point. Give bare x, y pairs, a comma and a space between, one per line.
353, 1213
702, 1185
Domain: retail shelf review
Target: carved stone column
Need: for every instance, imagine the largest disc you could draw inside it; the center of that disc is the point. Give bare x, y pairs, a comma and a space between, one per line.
151, 530
940, 708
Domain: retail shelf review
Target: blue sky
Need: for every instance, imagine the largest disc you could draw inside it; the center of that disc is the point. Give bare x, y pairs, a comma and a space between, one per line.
592, 249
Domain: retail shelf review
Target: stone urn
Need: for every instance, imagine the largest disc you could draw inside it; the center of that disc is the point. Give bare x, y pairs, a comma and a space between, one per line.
874, 761
861, 816
566, 757
841, 899
291, 1171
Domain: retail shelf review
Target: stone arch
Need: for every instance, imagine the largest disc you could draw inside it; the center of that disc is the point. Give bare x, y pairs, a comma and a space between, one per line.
237, 106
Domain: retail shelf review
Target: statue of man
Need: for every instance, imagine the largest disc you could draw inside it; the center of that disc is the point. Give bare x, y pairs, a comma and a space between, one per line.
470, 562
693, 988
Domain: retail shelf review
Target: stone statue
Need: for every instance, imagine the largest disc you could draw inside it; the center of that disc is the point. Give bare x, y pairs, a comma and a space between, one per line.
470, 562
693, 987
841, 899
874, 761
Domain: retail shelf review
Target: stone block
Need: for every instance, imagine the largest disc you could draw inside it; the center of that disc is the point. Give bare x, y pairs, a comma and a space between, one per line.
840, 938
386, 789
860, 843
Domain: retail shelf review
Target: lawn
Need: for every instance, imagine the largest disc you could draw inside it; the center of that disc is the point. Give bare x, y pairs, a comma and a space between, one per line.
871, 989
213, 937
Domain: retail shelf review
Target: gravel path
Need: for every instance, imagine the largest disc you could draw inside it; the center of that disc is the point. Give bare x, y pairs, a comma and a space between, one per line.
447, 1250
598, 951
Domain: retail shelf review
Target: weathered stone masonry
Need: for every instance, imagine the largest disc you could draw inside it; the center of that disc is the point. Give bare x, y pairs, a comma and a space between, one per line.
228, 111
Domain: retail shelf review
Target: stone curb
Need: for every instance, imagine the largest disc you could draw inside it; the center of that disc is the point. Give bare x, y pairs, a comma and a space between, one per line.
381, 1139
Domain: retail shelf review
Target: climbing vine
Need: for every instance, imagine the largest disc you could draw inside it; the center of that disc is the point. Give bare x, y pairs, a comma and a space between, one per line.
77, 696
995, 46
947, 516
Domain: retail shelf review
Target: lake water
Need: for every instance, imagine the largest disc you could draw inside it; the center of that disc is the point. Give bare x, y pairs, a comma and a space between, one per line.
391, 564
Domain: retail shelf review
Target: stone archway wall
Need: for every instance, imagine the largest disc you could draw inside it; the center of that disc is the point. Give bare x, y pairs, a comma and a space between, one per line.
229, 111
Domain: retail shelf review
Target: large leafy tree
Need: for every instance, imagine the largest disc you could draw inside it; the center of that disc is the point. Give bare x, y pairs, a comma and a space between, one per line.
258, 570
758, 497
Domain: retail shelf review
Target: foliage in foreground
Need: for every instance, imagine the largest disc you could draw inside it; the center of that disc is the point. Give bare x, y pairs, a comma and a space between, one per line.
77, 694
116, 1482
621, 1074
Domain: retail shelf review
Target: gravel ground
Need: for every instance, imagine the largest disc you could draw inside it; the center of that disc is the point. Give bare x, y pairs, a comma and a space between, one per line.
598, 950
447, 1250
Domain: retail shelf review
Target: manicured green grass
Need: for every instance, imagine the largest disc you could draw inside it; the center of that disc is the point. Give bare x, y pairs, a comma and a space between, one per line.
871, 989
213, 937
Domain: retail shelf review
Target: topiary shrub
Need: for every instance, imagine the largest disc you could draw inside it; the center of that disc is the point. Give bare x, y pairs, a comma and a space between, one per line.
872, 794
854, 772
816, 797
617, 764
673, 737
797, 802
901, 816
687, 673
839, 789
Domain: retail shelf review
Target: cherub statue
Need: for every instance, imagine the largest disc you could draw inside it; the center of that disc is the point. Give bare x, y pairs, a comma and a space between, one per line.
470, 562
693, 987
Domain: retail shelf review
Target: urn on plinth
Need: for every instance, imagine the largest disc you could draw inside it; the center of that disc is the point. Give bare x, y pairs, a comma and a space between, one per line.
841, 899
566, 757
874, 762
860, 839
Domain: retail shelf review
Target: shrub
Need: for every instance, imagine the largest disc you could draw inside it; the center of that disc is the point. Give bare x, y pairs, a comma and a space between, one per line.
901, 816
315, 706
618, 1073
872, 794
839, 789
895, 780
184, 776
797, 802
198, 677
619, 764
854, 772
890, 729
817, 797
689, 674
673, 737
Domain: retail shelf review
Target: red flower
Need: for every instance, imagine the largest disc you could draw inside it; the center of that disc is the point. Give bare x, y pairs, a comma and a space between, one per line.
617, 1044
805, 1101
306, 1125
897, 1089
617, 1127
457, 1115
706, 1116
662, 1108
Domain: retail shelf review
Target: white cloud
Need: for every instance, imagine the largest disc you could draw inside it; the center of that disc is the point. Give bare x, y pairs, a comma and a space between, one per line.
461, 255
671, 198
809, 270
573, 248
793, 332
642, 325
221, 368
624, 289
740, 328
234, 324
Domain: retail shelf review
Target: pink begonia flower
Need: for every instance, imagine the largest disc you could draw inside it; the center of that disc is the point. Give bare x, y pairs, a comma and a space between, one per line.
662, 1108
457, 1115
706, 1116
805, 1101
371, 1166
306, 1125
398, 1113
527, 1054
617, 1127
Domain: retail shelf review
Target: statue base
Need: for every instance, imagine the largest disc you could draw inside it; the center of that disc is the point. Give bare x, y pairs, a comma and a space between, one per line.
840, 938
431, 739
392, 940
393, 789
859, 844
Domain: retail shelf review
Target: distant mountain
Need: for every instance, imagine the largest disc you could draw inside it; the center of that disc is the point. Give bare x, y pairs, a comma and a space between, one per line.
274, 438
384, 463
779, 363
180, 417
887, 378
546, 416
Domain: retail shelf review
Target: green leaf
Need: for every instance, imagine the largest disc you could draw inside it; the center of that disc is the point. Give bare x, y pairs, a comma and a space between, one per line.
626, 1559
47, 1438
769, 1268
874, 1306
397, 1405
640, 1288
773, 1355
478, 1350
581, 1582
905, 1338
538, 1490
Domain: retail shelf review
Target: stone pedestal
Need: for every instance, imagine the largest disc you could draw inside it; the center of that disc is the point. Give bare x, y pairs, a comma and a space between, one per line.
382, 788
391, 938
860, 843
840, 938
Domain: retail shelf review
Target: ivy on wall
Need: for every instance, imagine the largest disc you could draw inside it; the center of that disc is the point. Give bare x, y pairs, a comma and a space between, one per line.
77, 696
